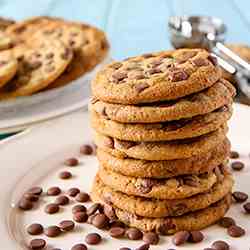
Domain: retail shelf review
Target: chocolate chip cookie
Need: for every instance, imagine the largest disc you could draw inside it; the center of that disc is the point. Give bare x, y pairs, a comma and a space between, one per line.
165, 131
220, 94
5, 41
169, 225
8, 66
5, 23
156, 208
37, 68
161, 76
165, 169
163, 150
179, 187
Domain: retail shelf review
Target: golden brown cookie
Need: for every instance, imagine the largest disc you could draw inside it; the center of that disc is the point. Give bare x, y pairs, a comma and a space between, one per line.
165, 169
157, 151
165, 131
37, 68
179, 187
5, 23
5, 41
220, 94
161, 76
169, 225
156, 208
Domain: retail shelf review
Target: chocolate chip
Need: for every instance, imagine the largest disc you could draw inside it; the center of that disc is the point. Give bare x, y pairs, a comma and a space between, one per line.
25, 204
93, 239
146, 185
200, 62
52, 231
141, 86
49, 55
185, 55
124, 248
117, 223
239, 197
82, 197
65, 175
108, 142
73, 192
62, 200
124, 144
90, 218
234, 155
190, 181
100, 221
134, 234
71, 162
213, 60
79, 247
86, 149
78, 208
235, 231
35, 190
67, 225
151, 238
117, 232
53, 191
143, 247
195, 237
37, 244
220, 245
116, 65
246, 206
31, 197
118, 76
177, 75
93, 208
226, 222
80, 217
51, 208
35, 65
136, 75
237, 165
180, 238
66, 55
35, 229
109, 212
155, 70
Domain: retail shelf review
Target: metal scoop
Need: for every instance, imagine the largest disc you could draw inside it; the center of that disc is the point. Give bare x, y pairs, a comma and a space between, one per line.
209, 33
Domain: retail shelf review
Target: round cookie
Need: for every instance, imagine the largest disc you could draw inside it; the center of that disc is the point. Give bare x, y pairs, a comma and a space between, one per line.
165, 169
88, 43
37, 68
8, 66
169, 225
155, 208
163, 150
5, 41
165, 131
173, 188
5, 23
161, 76
220, 94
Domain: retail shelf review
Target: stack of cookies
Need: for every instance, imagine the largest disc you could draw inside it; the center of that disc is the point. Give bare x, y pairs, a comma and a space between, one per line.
160, 124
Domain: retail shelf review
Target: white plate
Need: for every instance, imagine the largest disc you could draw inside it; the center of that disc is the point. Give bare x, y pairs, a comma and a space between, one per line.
23, 112
35, 158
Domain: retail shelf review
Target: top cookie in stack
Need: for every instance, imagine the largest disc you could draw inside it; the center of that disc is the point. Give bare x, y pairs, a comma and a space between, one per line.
160, 125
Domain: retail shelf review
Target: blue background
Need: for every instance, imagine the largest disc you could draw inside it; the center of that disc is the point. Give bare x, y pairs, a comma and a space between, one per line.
136, 26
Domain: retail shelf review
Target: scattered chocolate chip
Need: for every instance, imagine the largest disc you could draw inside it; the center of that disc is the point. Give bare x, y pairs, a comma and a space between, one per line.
237, 165
213, 60
146, 185
116, 65
86, 149
118, 76
124, 248
124, 144
31, 197
220, 245
108, 142
100, 221
151, 238
78, 208
93, 239
52, 231
53, 191
235, 231
117, 232
90, 218
180, 238
37, 244
35, 229
200, 62
35, 190
134, 234
143, 247
80, 217
226, 222
62, 200
82, 197
73, 192
239, 197
178, 75
67, 225
25, 204
234, 155
51, 208
117, 223
71, 162
93, 208
195, 237
79, 247
65, 175
246, 206
109, 212
141, 86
